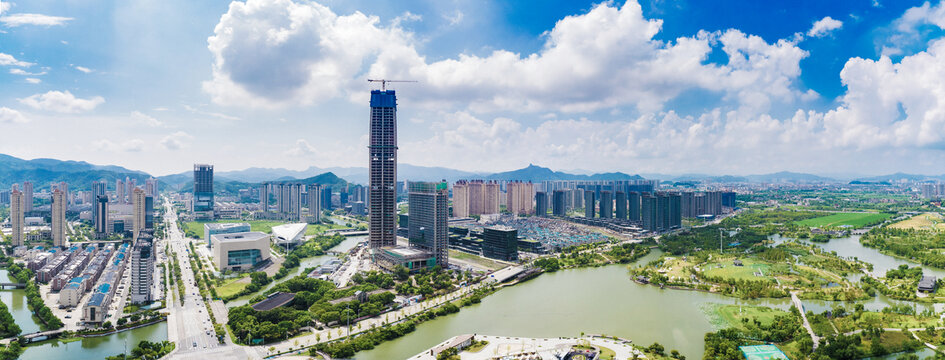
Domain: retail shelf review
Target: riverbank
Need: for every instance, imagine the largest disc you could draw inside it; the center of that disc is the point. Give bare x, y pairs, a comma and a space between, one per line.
548, 348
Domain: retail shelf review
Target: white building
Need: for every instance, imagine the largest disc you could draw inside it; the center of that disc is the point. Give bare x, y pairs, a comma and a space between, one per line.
289, 234
239, 251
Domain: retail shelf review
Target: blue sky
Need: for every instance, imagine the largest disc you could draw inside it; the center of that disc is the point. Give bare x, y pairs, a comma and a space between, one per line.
720, 87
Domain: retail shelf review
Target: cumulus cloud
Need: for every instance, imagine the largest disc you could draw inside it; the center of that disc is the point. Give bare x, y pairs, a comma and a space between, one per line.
33, 80
62, 101
277, 52
301, 148
824, 26
8, 60
8, 115
15, 20
176, 141
4, 6
147, 119
132, 145
83, 69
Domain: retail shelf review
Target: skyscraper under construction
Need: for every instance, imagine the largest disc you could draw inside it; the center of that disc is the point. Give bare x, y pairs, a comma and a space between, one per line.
382, 169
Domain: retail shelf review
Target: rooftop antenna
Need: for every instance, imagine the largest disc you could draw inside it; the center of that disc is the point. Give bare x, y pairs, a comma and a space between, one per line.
384, 82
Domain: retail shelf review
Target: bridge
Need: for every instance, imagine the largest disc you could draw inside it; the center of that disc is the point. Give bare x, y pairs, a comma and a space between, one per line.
12, 285
346, 232
36, 336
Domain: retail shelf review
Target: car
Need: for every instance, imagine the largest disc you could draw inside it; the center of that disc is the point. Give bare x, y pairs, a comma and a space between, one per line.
195, 344
68, 316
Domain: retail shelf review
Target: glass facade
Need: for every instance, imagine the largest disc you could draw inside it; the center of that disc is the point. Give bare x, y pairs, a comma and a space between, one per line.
243, 257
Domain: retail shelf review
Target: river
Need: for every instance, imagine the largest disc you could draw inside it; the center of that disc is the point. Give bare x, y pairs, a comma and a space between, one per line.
310, 262
96, 347
15, 300
604, 300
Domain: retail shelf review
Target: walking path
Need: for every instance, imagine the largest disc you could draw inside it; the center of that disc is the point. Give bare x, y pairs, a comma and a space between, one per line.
800, 308
546, 348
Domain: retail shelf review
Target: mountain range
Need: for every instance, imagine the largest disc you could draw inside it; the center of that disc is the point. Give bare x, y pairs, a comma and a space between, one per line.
80, 174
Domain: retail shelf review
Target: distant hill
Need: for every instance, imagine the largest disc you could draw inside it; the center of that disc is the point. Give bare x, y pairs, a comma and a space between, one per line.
233, 187
536, 173
788, 177
900, 176
78, 174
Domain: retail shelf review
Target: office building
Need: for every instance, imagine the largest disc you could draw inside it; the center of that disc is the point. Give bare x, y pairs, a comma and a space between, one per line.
541, 204
27, 196
519, 197
138, 219
223, 228
606, 204
142, 267
559, 203
382, 169
98, 189
500, 242
239, 251
17, 216
326, 197
589, 204
100, 216
203, 192
429, 213
58, 217
621, 200
314, 194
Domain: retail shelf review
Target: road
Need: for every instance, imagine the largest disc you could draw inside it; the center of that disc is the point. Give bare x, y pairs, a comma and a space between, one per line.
188, 325
800, 308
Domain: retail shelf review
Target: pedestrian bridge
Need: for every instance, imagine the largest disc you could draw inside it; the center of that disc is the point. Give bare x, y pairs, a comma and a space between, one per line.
12, 285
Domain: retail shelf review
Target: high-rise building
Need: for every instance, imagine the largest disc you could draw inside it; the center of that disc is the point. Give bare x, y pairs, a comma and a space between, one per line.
130, 185
621, 205
119, 191
142, 267
649, 213
490, 204
98, 189
100, 216
295, 202
728, 199
203, 191
606, 204
427, 227
314, 193
148, 212
151, 187
4, 196
382, 169
65, 190
519, 197
541, 203
500, 242
17, 217
58, 217
139, 213
326, 197
476, 197
460, 199
559, 203
589, 204
633, 210
264, 197
27, 196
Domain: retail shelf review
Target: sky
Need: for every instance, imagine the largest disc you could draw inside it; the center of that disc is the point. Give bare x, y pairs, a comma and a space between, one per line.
648, 86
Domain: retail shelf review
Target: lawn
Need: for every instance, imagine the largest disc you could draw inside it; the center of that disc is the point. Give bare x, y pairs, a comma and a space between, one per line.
732, 315
927, 221
853, 220
479, 260
259, 225
727, 270
232, 287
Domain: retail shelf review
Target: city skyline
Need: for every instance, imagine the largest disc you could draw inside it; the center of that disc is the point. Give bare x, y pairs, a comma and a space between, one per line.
740, 97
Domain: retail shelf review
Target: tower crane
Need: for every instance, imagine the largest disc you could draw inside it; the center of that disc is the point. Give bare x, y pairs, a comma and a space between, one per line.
384, 82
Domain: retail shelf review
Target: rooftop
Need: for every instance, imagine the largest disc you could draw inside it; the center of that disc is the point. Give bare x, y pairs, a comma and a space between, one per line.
289, 232
273, 301
222, 226
240, 236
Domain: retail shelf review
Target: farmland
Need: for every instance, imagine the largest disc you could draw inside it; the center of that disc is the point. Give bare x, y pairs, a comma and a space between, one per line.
853, 220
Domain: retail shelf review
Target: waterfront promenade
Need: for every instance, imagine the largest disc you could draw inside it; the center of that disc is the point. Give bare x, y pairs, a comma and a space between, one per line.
544, 348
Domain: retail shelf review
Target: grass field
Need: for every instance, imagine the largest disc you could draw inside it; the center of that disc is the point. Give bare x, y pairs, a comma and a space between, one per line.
259, 225
927, 221
747, 272
232, 287
854, 220
481, 261
732, 315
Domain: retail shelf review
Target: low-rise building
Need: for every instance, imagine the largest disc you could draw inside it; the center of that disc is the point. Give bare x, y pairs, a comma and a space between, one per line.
223, 228
411, 258
239, 251
289, 234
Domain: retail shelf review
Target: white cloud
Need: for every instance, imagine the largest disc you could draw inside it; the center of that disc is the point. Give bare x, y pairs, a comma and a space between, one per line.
209, 113
131, 145
264, 57
8, 60
149, 120
33, 80
8, 115
176, 141
301, 148
63, 102
17, 71
454, 18
15, 20
406, 17
824, 26
83, 69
